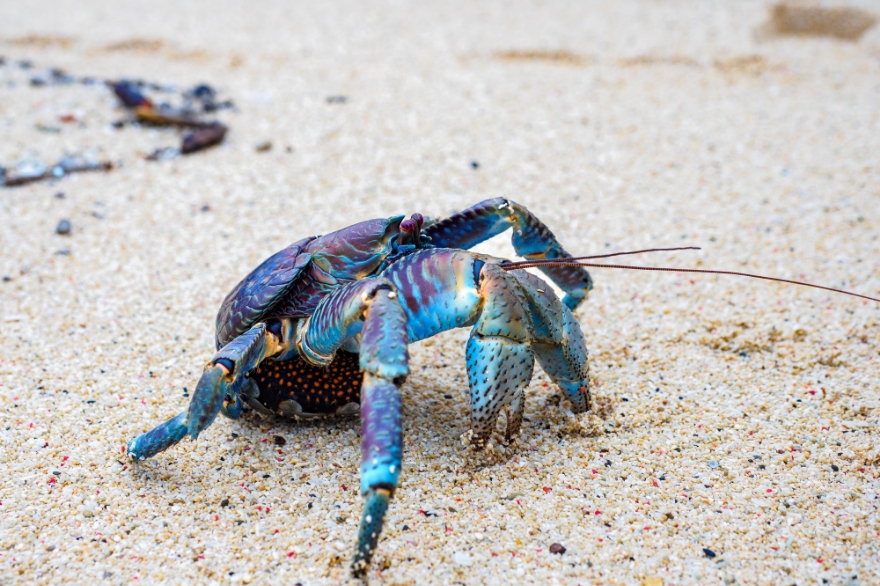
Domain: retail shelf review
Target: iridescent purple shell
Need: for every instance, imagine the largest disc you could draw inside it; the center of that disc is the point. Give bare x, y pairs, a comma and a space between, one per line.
253, 298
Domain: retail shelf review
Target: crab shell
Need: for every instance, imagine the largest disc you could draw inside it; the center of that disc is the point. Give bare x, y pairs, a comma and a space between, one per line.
291, 282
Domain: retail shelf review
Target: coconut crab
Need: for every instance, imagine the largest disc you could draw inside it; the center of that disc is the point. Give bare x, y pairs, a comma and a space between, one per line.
322, 327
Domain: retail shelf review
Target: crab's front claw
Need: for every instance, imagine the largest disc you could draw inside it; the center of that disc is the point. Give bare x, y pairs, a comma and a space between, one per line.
159, 439
207, 400
371, 527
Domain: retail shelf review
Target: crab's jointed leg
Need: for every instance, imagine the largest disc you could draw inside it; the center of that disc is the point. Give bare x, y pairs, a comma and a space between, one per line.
531, 238
499, 358
371, 308
220, 387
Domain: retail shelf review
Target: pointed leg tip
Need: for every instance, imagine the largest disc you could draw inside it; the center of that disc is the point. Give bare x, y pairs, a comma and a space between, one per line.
359, 569
158, 439
371, 526
132, 450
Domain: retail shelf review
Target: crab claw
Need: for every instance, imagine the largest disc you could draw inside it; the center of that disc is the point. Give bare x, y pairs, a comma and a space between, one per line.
371, 527
207, 400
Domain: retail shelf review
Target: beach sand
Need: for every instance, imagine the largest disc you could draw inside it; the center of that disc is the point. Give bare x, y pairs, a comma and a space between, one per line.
734, 438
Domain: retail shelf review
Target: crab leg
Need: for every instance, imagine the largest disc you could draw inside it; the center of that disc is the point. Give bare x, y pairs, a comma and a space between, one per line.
219, 388
557, 340
385, 361
531, 239
158, 439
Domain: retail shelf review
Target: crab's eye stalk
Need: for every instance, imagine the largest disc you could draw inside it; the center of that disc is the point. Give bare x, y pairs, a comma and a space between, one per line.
409, 231
418, 219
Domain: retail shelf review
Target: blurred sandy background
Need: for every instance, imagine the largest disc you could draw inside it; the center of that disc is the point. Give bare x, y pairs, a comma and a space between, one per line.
622, 125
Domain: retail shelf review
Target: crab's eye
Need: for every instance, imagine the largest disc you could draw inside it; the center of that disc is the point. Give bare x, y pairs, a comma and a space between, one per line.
408, 226
418, 219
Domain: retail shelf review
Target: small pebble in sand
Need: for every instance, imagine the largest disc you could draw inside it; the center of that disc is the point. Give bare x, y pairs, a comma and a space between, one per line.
203, 91
835, 467
279, 440
63, 227
462, 558
709, 553
264, 146
203, 137
557, 548
60, 195
475, 165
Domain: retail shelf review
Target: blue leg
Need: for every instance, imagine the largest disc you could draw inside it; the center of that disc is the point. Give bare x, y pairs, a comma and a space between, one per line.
219, 389
159, 439
557, 340
382, 451
531, 239
372, 308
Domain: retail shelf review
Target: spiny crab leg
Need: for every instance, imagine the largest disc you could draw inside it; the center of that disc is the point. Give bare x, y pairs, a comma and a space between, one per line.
384, 359
382, 449
219, 388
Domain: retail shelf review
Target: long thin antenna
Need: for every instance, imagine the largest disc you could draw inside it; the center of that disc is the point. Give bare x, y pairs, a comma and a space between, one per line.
509, 265
561, 262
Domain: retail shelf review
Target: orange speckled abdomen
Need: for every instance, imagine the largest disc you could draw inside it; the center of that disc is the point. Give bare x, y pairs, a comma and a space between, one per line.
317, 390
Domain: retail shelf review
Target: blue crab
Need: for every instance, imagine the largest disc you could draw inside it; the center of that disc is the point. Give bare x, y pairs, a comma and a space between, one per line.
322, 327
